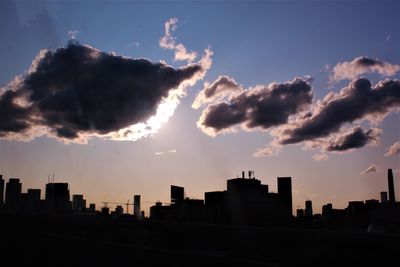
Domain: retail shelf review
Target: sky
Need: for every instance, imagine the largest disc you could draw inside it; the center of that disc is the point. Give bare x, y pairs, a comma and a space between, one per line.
119, 98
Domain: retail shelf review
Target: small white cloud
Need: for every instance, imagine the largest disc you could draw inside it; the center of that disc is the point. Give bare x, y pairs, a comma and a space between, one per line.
132, 44
320, 156
162, 153
72, 34
393, 150
272, 149
388, 38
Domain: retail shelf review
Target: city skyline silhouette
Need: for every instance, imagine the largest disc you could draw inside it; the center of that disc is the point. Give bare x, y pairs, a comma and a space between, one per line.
245, 201
176, 133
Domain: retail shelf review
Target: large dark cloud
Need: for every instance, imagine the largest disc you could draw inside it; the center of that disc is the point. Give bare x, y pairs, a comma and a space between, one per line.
357, 101
355, 138
80, 90
259, 107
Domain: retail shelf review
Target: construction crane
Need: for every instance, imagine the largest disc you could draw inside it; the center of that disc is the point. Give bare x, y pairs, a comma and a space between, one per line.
127, 204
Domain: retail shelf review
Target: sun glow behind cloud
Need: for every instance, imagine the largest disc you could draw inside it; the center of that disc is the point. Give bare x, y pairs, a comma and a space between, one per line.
164, 112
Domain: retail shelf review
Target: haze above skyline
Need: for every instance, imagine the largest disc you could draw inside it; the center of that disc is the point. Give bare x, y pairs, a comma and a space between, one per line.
298, 88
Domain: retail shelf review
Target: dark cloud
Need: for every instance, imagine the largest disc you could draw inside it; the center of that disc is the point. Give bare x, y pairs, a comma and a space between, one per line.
216, 91
356, 138
259, 107
358, 101
80, 90
361, 65
13, 117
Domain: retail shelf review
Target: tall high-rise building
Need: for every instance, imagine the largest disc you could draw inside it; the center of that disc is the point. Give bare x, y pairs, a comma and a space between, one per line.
285, 195
308, 211
1, 190
57, 198
136, 206
392, 198
13, 195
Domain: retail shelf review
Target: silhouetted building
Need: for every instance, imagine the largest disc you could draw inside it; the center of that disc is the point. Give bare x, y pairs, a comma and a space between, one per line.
191, 210
92, 207
57, 198
105, 211
160, 212
136, 206
177, 194
384, 197
355, 208
33, 200
214, 199
215, 207
299, 213
24, 203
285, 195
392, 198
78, 203
327, 209
308, 211
1, 190
13, 195
246, 200
371, 204
119, 210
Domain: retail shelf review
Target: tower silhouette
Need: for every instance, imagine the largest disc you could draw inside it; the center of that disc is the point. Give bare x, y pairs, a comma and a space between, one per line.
392, 198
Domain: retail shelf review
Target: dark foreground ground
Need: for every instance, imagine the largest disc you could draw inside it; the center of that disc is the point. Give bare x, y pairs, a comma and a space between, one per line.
97, 241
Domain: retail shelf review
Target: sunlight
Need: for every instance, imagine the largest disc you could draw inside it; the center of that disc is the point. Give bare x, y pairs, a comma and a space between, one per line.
164, 112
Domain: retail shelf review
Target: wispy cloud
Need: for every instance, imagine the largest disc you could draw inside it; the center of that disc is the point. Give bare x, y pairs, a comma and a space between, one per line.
163, 153
372, 168
132, 44
169, 42
321, 156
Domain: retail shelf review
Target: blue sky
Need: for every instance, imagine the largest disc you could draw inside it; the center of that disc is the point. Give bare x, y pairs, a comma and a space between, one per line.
256, 43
